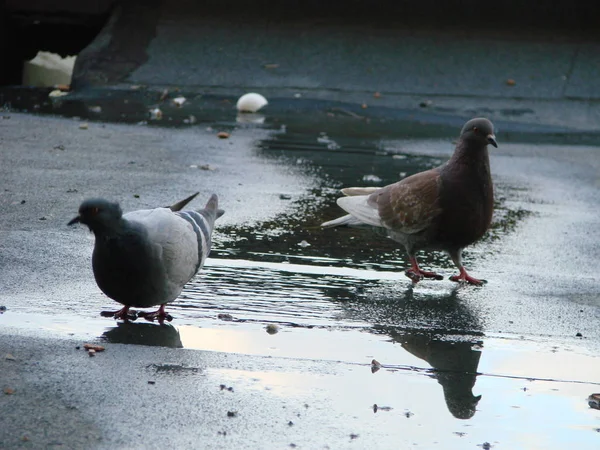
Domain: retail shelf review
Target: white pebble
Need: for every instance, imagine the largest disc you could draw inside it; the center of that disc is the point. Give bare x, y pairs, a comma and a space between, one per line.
251, 102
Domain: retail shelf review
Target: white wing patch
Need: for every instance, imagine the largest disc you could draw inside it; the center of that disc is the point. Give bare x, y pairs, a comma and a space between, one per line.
358, 207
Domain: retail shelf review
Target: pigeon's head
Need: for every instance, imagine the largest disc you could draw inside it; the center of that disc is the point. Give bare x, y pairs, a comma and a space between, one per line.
479, 131
98, 214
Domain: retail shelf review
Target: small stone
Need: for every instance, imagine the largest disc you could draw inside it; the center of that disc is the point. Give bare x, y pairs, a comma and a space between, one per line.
364, 106
232, 413
91, 352
272, 328
290, 423
225, 316
59, 147
511, 82
206, 167
353, 436
10, 357
222, 135
486, 446
425, 104
155, 114
179, 101
375, 366
578, 335
83, 126
96, 348
303, 244
77, 347
285, 197
42, 218
23, 202
151, 382
9, 391
2, 308
95, 109
136, 195
377, 95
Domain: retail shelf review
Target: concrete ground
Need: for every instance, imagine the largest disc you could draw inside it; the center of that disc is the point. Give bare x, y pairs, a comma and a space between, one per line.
509, 365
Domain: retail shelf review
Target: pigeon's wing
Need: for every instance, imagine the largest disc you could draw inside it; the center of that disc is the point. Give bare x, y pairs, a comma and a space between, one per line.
178, 246
410, 205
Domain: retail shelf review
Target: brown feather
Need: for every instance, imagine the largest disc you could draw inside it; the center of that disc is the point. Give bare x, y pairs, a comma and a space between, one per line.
410, 205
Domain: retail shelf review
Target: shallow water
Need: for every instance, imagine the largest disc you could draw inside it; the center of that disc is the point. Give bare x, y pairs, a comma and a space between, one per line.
340, 295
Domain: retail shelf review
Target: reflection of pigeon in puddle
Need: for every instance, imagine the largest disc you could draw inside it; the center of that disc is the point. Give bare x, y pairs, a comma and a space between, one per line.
144, 334
446, 208
456, 369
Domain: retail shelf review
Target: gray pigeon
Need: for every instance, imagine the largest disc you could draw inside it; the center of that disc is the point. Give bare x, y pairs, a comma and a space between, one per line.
144, 258
446, 208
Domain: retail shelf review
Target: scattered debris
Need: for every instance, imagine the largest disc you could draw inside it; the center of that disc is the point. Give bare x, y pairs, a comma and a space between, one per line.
2, 307
578, 334
10, 357
292, 445
163, 95
179, 101
151, 382
399, 156
190, 120
222, 135
408, 414
377, 95
372, 178
271, 66
364, 106
251, 102
594, 401
459, 433
375, 366
426, 103
222, 433
206, 167
59, 147
77, 347
62, 87
83, 126
272, 328
42, 218
9, 391
155, 114
95, 109
510, 82
285, 197
297, 95
57, 93
485, 446
97, 348
290, 423
225, 388
232, 413
225, 316
353, 436
402, 174
22, 202
381, 408
91, 352
303, 244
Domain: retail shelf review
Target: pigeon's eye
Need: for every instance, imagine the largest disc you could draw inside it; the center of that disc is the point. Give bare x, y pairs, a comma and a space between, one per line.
94, 211
475, 129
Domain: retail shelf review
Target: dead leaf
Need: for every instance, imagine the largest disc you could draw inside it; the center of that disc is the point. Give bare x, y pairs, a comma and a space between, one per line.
222, 135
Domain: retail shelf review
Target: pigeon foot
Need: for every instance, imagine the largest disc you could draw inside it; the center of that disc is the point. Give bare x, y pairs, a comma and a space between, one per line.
123, 314
464, 277
159, 315
417, 275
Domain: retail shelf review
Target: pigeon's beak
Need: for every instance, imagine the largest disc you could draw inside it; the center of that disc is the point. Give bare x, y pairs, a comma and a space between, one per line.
492, 140
75, 220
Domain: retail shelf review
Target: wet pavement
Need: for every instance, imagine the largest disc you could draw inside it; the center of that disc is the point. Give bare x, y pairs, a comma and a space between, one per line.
287, 315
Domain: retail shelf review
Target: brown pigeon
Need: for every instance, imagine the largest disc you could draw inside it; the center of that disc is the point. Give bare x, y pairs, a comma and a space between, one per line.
446, 208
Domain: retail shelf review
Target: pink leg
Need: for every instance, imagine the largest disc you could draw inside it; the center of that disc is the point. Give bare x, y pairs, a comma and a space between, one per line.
463, 276
416, 274
159, 314
123, 314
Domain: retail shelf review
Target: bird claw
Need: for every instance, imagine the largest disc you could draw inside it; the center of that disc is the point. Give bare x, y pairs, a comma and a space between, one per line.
467, 279
418, 275
125, 315
158, 315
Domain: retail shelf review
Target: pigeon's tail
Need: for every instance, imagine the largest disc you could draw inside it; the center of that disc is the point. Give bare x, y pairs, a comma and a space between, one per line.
212, 207
181, 204
351, 191
340, 221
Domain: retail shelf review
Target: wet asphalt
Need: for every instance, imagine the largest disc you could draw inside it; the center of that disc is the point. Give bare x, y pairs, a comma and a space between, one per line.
510, 364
